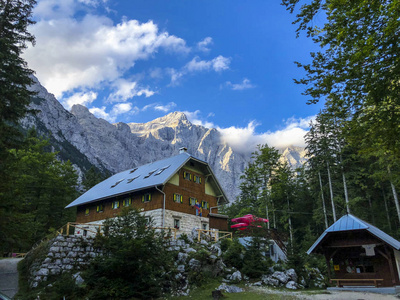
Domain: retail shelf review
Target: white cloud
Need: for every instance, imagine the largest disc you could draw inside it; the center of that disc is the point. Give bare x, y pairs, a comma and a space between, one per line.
218, 64
159, 107
71, 53
203, 45
117, 110
79, 98
165, 108
221, 63
100, 112
244, 85
126, 89
245, 139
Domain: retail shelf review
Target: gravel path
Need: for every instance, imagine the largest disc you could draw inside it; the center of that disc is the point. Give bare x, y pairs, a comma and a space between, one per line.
9, 276
328, 295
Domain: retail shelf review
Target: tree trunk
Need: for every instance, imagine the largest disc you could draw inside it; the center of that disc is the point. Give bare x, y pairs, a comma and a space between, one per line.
323, 200
346, 196
331, 191
387, 210
396, 200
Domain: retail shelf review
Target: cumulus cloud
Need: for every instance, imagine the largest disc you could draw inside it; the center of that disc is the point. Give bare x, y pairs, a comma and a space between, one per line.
82, 53
245, 139
126, 89
244, 85
160, 107
203, 45
79, 98
218, 64
117, 109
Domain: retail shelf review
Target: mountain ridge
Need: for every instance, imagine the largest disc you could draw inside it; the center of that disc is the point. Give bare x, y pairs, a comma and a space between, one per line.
120, 146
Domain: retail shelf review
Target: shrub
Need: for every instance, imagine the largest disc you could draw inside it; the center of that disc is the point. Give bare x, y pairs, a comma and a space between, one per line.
134, 263
233, 256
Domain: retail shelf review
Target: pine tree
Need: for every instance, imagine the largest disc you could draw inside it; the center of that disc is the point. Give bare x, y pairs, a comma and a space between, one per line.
15, 76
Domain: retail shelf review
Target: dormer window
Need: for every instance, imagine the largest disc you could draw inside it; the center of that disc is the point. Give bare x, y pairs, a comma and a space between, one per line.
118, 182
150, 173
162, 170
132, 179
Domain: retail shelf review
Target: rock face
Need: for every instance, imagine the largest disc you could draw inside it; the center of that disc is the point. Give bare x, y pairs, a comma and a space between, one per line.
87, 140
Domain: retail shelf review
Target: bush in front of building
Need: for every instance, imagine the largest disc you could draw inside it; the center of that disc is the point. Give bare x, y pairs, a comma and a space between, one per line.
135, 262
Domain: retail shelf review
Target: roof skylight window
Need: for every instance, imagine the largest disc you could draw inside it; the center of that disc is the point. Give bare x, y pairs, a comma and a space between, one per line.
150, 173
162, 170
133, 170
132, 179
118, 182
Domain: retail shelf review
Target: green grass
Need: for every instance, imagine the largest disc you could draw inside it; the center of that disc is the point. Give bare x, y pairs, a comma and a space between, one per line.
205, 291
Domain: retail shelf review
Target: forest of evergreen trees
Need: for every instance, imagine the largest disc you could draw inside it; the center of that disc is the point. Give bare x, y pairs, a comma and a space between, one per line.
353, 144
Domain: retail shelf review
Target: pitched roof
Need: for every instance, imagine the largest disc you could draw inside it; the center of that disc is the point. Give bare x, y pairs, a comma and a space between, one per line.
153, 174
349, 222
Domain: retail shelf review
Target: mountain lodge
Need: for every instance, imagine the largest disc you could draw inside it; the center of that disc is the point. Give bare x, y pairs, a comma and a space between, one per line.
179, 192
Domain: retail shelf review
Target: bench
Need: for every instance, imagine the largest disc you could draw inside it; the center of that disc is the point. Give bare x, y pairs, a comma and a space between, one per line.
357, 281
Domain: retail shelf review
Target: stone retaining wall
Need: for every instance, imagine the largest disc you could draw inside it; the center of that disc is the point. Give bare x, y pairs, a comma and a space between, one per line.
64, 254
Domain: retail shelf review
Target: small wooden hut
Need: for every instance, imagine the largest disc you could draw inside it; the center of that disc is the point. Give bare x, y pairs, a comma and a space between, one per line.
361, 253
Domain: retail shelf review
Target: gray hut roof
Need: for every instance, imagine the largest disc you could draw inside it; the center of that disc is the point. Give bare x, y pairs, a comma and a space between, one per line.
147, 176
349, 222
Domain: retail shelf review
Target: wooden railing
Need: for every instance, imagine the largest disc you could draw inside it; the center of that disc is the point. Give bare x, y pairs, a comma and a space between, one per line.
214, 234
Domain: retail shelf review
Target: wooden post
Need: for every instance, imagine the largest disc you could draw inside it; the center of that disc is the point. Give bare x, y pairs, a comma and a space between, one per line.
199, 237
68, 229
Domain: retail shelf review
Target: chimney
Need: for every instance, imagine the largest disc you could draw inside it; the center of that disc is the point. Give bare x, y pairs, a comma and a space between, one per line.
182, 150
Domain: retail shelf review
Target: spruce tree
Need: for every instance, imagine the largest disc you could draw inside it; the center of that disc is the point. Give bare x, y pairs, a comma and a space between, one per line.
15, 76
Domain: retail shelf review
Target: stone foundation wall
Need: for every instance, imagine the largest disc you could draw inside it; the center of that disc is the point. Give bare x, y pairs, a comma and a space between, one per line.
187, 222
64, 253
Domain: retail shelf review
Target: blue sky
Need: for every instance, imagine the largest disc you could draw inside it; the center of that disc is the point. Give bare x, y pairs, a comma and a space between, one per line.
226, 64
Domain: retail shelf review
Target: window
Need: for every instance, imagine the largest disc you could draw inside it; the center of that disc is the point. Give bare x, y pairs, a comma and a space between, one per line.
146, 197
87, 210
162, 170
178, 198
197, 179
204, 226
127, 202
133, 170
118, 182
147, 220
99, 208
187, 175
177, 223
150, 173
204, 204
115, 204
192, 201
132, 179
